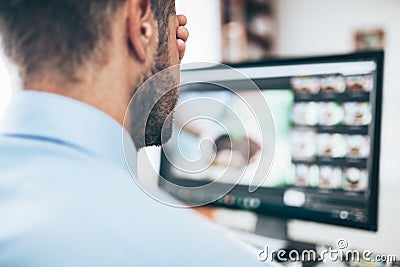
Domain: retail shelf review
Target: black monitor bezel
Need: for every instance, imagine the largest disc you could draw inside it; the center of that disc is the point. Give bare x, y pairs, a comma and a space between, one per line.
286, 212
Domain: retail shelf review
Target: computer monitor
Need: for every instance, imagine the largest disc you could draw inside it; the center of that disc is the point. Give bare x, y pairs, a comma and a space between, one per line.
327, 117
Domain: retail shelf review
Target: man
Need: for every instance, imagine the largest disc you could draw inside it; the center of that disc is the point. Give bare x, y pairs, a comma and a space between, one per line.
66, 194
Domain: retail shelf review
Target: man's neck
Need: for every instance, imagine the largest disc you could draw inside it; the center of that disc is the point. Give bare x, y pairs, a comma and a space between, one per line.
98, 89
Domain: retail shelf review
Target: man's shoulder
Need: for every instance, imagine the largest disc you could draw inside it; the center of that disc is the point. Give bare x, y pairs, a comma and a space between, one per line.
79, 207
56, 175
38, 155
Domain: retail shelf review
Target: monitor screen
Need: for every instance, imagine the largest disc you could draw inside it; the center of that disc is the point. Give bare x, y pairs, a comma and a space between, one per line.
320, 145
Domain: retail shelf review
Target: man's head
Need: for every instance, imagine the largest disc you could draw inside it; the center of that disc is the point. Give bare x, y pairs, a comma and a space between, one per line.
96, 51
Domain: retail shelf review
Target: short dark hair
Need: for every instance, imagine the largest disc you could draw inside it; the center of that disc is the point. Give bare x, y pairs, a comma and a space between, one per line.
45, 35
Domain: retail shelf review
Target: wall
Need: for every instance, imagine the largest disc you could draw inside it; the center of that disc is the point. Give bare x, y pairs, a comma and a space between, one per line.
309, 27
204, 43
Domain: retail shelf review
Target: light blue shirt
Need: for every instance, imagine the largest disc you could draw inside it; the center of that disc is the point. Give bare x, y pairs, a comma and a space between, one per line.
67, 197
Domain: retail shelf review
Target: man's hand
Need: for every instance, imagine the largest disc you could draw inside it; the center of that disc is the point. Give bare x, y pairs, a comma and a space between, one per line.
182, 35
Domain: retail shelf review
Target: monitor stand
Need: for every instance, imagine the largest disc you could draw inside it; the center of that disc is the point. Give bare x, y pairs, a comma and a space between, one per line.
272, 227
277, 229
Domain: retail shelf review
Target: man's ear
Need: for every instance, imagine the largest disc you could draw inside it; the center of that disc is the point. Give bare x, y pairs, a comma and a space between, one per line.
141, 27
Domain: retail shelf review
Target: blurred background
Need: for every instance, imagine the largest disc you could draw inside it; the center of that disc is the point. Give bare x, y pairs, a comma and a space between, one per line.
242, 30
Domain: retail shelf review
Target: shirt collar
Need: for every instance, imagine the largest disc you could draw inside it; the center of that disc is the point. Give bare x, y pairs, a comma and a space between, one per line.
62, 119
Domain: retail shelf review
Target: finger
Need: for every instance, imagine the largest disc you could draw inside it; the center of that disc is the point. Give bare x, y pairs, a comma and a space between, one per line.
181, 48
182, 20
182, 33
